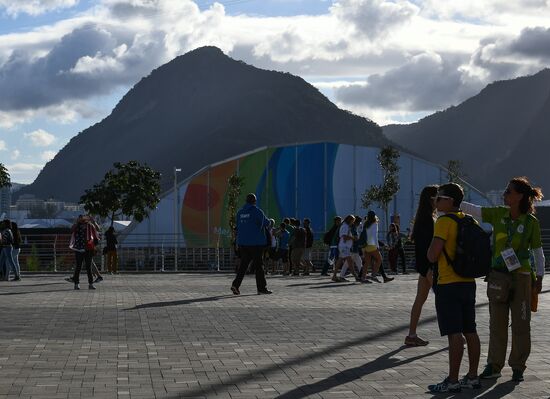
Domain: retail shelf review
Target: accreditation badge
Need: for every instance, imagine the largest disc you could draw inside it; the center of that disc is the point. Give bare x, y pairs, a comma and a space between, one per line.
510, 259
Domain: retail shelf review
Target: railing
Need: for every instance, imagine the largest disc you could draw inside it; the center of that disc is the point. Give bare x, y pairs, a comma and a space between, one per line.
50, 252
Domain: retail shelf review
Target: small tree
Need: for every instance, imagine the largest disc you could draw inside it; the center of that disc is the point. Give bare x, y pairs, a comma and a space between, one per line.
382, 194
131, 189
455, 174
5, 180
234, 187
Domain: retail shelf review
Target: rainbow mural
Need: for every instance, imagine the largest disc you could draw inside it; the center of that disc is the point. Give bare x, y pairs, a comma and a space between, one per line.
317, 181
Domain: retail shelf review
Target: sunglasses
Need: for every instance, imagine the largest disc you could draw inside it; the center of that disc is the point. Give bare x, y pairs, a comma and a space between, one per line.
507, 191
440, 197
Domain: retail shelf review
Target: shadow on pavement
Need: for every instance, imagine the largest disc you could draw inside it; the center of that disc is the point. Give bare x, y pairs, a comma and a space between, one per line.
186, 301
324, 282
261, 372
34, 292
333, 285
384, 362
499, 391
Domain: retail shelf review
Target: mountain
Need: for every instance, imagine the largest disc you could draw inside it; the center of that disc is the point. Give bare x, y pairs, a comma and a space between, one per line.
502, 132
200, 108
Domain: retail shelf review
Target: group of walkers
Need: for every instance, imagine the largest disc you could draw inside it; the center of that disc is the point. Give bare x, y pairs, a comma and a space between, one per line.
85, 236
354, 246
514, 276
10, 247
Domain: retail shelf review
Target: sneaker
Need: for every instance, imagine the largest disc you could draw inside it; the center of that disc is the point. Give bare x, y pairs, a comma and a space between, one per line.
77, 286
305, 274
17, 279
375, 279
99, 279
91, 287
264, 292
69, 279
445, 386
470, 383
517, 375
488, 372
415, 341
235, 290
388, 279
365, 281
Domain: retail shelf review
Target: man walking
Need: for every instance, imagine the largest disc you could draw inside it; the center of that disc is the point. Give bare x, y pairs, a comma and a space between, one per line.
251, 239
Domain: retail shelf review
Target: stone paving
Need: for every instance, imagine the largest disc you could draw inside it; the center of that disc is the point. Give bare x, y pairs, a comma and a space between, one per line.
186, 336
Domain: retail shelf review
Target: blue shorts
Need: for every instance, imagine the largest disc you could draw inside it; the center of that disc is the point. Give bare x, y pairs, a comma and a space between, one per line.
455, 305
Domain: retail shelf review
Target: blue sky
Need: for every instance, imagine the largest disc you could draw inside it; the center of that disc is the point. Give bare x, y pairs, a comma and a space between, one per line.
64, 64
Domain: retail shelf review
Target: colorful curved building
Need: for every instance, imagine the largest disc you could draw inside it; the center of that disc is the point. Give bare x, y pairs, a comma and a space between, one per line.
317, 181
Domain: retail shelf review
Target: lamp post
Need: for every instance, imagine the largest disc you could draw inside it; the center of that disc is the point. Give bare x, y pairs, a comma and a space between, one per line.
176, 170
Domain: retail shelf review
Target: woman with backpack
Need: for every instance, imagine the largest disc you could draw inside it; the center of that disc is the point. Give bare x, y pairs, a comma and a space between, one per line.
423, 231
84, 238
512, 282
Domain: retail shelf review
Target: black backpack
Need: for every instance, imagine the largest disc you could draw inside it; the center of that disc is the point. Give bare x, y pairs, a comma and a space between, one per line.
327, 238
7, 237
473, 248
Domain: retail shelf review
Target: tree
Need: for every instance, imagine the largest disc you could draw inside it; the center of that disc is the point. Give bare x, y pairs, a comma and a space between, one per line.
382, 194
5, 180
234, 186
130, 189
455, 173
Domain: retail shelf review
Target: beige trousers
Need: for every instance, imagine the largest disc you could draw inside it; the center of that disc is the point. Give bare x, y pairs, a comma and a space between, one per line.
509, 293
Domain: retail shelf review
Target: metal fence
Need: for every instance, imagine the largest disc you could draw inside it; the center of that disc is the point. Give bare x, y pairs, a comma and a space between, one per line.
50, 252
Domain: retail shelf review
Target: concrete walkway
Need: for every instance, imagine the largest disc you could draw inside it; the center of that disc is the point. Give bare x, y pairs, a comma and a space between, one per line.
185, 335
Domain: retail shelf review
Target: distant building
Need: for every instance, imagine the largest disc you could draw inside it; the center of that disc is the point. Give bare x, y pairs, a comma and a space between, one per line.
28, 202
315, 180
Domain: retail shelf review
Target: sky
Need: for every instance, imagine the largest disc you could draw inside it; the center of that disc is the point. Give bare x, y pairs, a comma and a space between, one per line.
65, 64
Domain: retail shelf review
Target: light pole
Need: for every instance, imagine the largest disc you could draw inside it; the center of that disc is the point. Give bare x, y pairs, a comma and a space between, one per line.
176, 170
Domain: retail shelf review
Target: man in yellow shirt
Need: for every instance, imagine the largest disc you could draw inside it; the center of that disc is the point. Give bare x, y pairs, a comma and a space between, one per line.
455, 296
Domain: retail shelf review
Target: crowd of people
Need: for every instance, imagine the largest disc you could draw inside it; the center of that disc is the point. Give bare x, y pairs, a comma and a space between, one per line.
514, 276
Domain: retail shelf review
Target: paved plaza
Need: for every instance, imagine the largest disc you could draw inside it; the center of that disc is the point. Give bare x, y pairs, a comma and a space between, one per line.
186, 336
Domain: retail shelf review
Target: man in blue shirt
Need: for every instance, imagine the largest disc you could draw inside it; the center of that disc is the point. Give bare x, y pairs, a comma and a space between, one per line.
251, 240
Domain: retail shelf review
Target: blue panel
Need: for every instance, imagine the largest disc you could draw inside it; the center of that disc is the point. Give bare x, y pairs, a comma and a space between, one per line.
285, 180
311, 183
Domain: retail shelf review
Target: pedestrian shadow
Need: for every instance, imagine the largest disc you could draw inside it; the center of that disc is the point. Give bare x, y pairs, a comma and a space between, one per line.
38, 285
384, 362
185, 301
308, 284
489, 390
499, 391
333, 285
31, 292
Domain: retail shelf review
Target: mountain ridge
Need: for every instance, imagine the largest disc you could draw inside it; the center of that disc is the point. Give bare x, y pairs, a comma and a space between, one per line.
200, 108
486, 131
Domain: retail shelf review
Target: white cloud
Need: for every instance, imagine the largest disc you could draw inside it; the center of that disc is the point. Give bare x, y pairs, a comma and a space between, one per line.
41, 138
15, 154
48, 155
57, 70
374, 18
427, 82
3, 146
34, 7
24, 172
